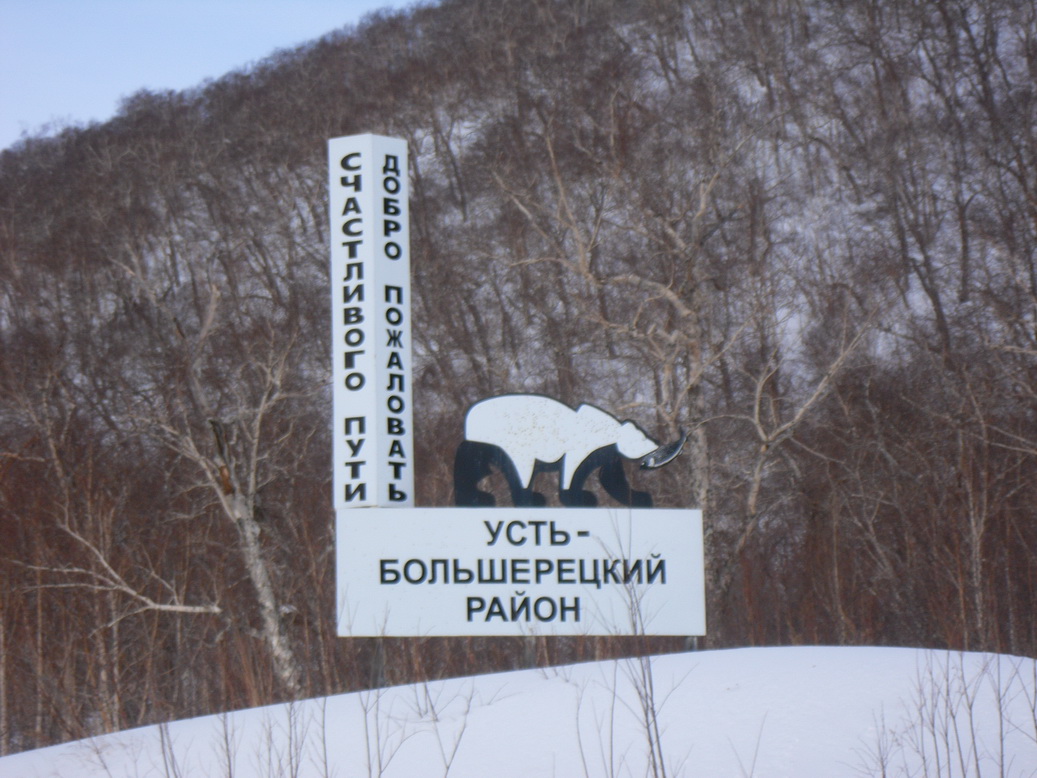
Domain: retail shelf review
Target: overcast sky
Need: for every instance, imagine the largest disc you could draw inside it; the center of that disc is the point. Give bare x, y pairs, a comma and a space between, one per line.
72, 61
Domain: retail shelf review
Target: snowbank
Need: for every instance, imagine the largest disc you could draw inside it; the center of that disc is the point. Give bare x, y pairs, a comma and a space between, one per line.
760, 712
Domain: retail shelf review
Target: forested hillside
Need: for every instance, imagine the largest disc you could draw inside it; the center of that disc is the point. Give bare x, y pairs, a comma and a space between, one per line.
804, 231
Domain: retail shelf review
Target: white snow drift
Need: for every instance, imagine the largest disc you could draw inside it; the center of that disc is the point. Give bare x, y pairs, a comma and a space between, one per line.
746, 712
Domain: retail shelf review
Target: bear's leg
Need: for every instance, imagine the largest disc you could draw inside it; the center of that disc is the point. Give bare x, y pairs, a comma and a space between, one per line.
471, 465
614, 480
473, 462
521, 496
576, 496
516, 474
527, 498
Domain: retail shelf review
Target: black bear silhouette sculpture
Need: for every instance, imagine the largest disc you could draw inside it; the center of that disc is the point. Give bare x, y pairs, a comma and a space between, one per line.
520, 435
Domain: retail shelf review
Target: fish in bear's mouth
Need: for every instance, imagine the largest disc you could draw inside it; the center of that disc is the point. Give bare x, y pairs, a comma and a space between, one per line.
665, 453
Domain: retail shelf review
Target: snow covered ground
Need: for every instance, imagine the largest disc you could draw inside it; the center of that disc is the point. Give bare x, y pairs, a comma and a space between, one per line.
746, 712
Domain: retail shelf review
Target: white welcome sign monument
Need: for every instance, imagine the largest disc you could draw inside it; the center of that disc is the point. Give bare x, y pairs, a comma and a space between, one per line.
477, 569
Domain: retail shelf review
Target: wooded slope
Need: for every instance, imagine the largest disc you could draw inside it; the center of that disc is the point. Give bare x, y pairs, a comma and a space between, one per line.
807, 234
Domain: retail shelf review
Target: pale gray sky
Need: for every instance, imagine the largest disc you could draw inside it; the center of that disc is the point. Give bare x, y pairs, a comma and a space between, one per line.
72, 61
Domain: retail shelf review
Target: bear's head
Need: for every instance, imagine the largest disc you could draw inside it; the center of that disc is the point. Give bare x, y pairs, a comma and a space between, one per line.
632, 442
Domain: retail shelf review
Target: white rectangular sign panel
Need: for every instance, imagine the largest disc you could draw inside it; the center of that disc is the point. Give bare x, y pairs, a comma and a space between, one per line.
520, 571
370, 324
